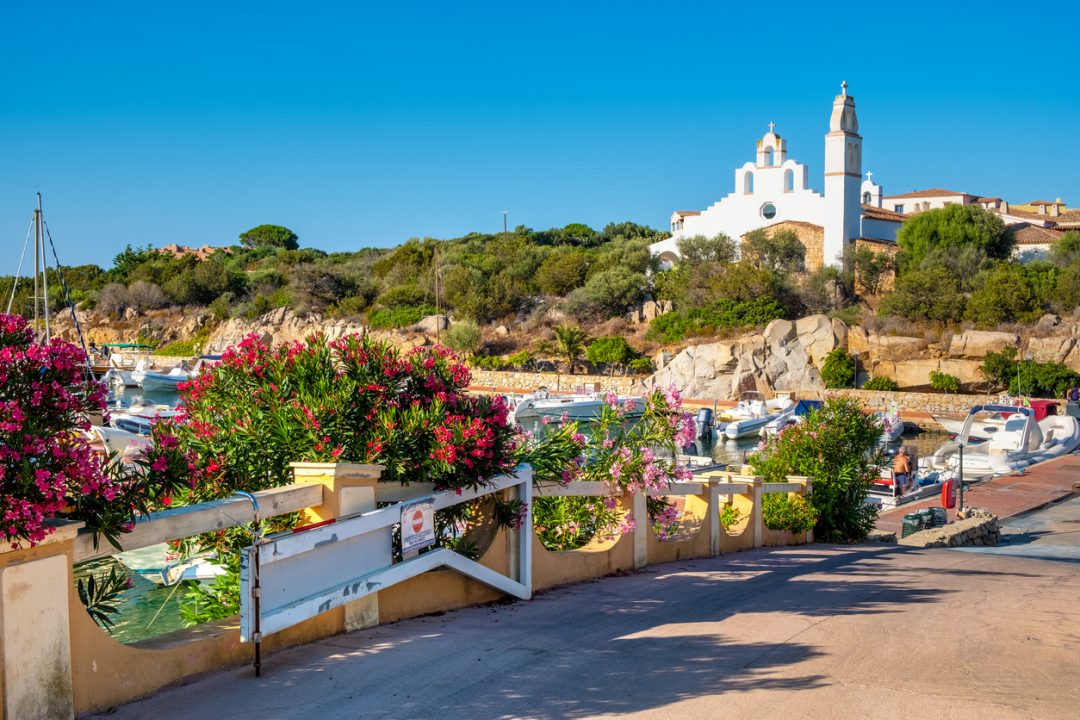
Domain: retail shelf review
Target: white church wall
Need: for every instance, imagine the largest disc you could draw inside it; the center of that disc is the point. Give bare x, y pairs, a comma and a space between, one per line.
879, 229
742, 211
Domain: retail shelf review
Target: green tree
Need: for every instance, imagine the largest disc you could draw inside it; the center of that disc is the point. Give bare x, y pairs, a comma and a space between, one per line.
562, 271
612, 351
700, 249
579, 234
953, 227
608, 294
780, 252
929, 294
570, 344
872, 269
1004, 295
1066, 251
270, 236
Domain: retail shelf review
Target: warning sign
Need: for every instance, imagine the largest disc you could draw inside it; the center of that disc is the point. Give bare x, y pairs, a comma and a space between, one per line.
417, 524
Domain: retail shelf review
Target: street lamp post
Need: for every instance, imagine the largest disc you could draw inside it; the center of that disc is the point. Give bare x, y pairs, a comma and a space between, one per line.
960, 444
505, 214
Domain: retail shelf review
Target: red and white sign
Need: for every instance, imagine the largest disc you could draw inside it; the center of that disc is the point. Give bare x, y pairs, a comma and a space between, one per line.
417, 524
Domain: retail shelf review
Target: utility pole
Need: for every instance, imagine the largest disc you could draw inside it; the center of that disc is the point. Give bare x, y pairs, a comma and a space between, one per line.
37, 261
505, 214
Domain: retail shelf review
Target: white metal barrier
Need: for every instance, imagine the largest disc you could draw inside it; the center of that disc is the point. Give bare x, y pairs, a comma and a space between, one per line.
288, 578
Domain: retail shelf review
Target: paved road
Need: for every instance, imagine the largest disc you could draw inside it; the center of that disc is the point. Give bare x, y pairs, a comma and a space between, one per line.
814, 632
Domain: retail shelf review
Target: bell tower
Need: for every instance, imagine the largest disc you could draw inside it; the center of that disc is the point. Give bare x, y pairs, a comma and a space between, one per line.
843, 175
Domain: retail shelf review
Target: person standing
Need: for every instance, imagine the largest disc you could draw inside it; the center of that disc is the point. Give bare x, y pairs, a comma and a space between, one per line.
901, 466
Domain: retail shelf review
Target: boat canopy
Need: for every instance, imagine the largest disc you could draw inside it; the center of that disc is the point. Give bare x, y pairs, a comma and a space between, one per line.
803, 407
1002, 409
209, 357
128, 346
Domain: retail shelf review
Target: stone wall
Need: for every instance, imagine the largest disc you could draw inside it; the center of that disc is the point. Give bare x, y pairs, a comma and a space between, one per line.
975, 527
528, 382
917, 402
810, 235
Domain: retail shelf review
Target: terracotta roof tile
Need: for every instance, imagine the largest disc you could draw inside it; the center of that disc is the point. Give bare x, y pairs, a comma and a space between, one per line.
932, 192
1035, 235
876, 213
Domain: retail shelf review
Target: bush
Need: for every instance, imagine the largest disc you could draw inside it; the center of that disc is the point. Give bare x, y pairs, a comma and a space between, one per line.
1004, 295
1043, 380
398, 317
562, 272
146, 296
999, 367
781, 511
944, 382
951, 229
836, 446
927, 294
112, 299
729, 517
782, 252
613, 351
838, 370
464, 336
608, 294
724, 314
642, 365
881, 383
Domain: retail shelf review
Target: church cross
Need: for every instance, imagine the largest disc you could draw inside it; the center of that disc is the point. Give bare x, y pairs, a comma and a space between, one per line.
870, 176
771, 126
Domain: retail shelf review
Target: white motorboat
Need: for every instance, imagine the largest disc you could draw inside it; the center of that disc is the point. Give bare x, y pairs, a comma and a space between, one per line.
1021, 442
118, 377
991, 422
892, 426
155, 381
753, 413
139, 419
124, 443
802, 408
156, 565
579, 406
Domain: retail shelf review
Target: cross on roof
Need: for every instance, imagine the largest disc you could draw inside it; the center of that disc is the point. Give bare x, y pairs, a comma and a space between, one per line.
870, 176
771, 126
843, 88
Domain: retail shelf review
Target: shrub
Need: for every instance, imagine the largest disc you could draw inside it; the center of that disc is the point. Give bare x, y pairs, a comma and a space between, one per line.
519, 359
562, 272
613, 351
729, 517
928, 294
950, 229
570, 343
398, 317
836, 446
781, 252
608, 293
781, 511
881, 382
112, 299
464, 336
723, 314
1004, 295
642, 365
146, 296
838, 370
944, 382
700, 249
1043, 379
999, 367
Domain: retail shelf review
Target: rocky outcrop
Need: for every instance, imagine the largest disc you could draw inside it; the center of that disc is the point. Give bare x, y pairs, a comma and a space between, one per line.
278, 327
1050, 349
786, 355
649, 311
432, 324
976, 343
894, 348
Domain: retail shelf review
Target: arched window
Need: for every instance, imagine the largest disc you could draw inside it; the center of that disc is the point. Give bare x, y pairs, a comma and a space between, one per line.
789, 180
748, 183
866, 197
768, 157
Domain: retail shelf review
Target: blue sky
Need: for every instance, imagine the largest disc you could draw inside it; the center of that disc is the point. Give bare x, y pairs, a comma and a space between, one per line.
360, 125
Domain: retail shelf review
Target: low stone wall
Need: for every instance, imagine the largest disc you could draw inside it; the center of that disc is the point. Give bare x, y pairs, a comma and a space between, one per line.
916, 402
976, 527
492, 380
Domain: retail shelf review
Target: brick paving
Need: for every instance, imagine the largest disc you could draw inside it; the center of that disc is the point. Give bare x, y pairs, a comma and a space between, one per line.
1007, 495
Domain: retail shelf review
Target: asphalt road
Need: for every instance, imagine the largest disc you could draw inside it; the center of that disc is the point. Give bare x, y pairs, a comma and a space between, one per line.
813, 632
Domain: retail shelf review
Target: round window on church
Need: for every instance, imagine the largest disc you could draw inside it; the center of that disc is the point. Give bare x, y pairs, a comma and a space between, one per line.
768, 211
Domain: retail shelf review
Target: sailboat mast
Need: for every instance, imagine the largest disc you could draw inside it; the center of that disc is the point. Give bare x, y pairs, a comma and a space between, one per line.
37, 264
44, 268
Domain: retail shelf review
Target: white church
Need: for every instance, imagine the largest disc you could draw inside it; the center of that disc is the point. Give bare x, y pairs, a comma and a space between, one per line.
773, 192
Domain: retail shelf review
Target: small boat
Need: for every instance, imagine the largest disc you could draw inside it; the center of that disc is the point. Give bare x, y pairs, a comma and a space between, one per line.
802, 409
1021, 441
925, 482
991, 423
579, 406
753, 413
140, 419
155, 381
155, 563
892, 426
